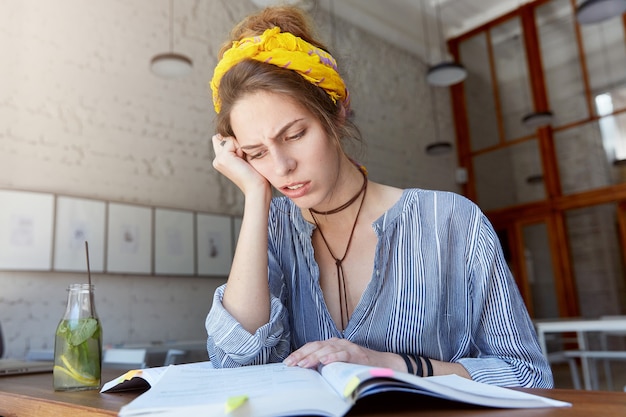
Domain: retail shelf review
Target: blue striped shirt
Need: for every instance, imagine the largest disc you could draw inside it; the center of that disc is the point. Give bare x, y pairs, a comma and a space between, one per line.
440, 288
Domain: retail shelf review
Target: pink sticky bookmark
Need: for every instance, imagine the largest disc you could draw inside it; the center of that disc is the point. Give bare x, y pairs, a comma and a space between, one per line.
381, 372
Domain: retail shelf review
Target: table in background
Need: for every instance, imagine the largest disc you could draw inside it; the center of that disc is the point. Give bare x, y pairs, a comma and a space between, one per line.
581, 327
156, 352
33, 396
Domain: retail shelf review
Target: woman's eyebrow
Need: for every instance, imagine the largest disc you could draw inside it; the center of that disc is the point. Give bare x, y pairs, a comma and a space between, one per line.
275, 137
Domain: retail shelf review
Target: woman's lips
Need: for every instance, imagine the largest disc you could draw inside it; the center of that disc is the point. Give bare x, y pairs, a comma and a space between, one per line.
296, 190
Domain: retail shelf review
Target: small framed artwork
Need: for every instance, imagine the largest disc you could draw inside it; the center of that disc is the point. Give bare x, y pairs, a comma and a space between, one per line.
129, 243
174, 250
79, 221
214, 244
26, 221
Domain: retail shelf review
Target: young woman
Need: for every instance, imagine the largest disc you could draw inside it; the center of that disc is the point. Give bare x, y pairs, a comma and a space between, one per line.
341, 268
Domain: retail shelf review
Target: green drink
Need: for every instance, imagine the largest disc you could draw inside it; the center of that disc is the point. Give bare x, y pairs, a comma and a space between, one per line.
78, 343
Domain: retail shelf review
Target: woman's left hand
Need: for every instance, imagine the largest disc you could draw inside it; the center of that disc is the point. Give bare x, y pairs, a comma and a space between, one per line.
336, 350
341, 350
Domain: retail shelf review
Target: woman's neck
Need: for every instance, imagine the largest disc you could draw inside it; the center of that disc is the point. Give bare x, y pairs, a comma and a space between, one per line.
353, 181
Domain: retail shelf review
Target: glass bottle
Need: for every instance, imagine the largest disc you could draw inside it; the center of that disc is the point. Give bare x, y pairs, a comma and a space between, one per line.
78, 343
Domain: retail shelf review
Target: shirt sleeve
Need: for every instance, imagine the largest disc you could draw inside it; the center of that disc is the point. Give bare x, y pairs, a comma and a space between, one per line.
505, 347
230, 345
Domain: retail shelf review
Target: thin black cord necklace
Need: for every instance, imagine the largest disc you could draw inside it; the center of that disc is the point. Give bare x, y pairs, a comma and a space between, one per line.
341, 283
347, 203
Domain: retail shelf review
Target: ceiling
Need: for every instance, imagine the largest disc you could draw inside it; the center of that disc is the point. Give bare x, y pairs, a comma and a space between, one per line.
401, 22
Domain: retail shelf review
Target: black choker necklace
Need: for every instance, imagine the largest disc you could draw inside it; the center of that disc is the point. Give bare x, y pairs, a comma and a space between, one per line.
348, 203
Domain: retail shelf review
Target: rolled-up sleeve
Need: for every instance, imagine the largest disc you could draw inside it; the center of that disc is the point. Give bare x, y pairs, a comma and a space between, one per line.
230, 345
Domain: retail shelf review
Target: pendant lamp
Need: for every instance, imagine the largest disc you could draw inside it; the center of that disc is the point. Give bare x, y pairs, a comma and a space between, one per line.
438, 146
445, 73
537, 119
596, 11
533, 119
171, 64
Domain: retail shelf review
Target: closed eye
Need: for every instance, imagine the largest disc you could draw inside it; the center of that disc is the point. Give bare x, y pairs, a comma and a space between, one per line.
296, 136
256, 155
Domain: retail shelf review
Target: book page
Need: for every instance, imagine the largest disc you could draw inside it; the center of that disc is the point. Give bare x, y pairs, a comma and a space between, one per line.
142, 379
357, 381
270, 390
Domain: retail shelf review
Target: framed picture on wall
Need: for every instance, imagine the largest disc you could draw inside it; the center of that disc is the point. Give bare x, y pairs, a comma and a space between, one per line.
174, 249
26, 220
79, 221
214, 244
129, 243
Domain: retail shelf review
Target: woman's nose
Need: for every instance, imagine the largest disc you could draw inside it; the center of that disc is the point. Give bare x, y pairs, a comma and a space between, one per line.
284, 163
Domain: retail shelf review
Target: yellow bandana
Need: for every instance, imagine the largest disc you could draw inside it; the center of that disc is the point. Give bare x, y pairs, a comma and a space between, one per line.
286, 51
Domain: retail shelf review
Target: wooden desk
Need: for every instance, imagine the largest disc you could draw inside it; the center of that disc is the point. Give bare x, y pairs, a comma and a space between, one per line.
33, 396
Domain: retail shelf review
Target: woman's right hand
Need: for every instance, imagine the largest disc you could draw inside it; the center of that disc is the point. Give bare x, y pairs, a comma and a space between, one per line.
231, 162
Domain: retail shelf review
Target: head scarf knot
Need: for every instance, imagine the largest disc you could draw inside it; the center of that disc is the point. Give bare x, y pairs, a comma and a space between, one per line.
286, 51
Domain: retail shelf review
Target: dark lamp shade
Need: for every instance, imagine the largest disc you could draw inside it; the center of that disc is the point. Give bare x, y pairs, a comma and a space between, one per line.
534, 179
438, 148
446, 74
171, 65
537, 119
596, 11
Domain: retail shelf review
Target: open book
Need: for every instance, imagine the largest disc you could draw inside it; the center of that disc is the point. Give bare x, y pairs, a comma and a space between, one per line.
143, 379
279, 390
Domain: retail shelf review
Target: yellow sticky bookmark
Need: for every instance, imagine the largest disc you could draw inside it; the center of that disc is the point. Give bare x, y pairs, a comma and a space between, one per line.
351, 386
234, 403
129, 375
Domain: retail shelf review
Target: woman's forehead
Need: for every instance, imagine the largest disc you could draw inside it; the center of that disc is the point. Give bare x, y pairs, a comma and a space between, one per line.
264, 114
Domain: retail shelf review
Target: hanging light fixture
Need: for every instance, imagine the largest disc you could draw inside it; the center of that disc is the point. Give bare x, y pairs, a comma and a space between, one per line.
438, 147
533, 119
537, 119
445, 73
596, 11
171, 64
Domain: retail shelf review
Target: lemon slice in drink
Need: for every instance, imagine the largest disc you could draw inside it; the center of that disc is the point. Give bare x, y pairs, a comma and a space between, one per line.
74, 374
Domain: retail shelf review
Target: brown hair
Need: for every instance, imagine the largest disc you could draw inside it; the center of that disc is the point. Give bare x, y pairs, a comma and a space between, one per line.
250, 76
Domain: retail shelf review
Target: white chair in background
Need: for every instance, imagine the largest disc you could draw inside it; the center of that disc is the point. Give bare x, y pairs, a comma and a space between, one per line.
174, 356
604, 345
116, 358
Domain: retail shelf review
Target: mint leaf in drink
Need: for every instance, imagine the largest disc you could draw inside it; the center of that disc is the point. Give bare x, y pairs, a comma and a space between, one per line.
85, 329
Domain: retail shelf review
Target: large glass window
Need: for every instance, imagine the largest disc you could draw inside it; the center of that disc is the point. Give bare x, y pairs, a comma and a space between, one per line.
539, 271
587, 153
512, 77
509, 176
605, 55
561, 62
596, 258
479, 94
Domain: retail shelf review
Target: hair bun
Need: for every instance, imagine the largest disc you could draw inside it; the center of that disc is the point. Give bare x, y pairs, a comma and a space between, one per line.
288, 18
